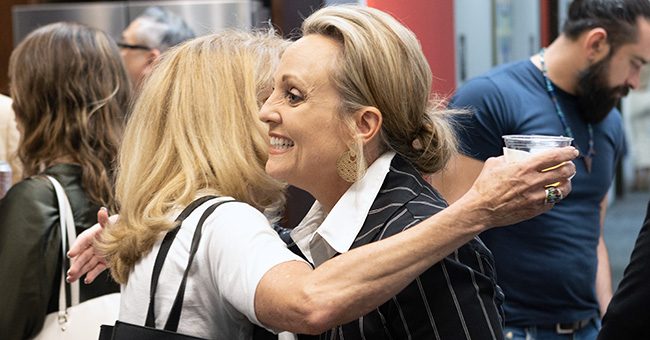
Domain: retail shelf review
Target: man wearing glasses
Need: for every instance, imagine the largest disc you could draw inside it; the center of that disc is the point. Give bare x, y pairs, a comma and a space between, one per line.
148, 36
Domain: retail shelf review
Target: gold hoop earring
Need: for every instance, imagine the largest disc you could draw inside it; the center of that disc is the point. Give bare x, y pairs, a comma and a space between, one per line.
347, 166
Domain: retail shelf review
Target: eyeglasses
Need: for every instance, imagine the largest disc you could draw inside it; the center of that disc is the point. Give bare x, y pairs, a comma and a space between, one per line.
133, 47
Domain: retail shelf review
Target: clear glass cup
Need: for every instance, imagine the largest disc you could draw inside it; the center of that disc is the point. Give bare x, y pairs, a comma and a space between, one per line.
520, 147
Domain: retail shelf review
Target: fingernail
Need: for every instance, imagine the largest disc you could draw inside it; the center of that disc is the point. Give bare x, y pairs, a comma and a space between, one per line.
85, 281
103, 208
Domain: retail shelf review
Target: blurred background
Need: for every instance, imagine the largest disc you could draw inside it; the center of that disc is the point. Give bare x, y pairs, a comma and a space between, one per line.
461, 38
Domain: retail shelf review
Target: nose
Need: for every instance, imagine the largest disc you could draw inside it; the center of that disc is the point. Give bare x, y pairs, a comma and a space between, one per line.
268, 113
634, 81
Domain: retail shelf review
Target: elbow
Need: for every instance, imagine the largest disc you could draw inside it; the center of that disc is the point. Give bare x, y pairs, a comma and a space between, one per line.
319, 313
316, 322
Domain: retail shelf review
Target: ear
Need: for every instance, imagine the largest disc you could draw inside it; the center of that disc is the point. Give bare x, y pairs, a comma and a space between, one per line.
368, 123
153, 54
596, 45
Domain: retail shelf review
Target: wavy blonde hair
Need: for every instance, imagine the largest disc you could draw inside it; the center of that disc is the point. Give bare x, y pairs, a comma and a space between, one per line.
193, 130
71, 95
382, 65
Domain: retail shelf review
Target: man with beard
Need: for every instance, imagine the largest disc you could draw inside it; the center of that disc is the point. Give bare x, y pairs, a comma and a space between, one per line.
554, 269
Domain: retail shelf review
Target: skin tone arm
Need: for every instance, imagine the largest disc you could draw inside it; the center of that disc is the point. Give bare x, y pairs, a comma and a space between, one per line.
457, 178
604, 272
350, 285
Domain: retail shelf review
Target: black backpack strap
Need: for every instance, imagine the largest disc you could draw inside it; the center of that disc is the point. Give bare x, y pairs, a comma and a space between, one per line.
162, 254
175, 314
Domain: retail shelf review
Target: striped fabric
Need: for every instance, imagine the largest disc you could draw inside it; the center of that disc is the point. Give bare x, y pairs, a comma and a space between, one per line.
455, 299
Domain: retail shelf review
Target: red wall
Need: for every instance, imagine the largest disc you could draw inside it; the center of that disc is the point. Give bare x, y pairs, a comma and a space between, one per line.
433, 23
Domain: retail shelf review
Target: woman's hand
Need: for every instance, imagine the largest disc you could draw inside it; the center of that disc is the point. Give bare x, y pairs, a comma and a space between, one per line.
82, 254
506, 193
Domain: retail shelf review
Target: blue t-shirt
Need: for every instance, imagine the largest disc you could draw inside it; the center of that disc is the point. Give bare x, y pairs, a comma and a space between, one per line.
545, 265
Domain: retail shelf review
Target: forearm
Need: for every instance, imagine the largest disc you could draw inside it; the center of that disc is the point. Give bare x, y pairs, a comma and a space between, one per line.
603, 271
603, 277
350, 285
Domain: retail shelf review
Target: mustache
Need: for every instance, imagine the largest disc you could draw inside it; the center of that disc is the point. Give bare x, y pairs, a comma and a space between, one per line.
621, 90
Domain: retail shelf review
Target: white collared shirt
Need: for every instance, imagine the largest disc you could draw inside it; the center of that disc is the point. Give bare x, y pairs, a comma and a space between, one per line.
320, 236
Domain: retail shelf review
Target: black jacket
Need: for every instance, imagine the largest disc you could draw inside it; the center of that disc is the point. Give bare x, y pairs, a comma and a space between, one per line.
30, 250
628, 314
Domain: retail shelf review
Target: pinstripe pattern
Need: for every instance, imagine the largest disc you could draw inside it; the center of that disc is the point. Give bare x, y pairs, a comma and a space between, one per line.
455, 299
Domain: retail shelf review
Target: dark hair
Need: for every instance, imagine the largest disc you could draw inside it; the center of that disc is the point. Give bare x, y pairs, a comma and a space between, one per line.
617, 17
71, 95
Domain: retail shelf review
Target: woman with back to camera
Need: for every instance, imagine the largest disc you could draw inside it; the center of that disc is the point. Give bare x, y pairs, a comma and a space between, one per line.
197, 139
70, 95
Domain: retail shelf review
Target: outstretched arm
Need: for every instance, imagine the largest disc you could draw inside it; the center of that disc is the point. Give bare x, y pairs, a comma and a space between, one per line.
352, 284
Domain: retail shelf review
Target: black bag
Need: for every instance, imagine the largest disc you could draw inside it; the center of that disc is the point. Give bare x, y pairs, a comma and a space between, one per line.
123, 330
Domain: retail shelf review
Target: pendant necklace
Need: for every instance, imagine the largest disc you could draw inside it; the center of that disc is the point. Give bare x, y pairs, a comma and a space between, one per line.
587, 159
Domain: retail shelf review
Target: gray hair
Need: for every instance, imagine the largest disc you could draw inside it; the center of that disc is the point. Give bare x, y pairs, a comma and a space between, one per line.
161, 29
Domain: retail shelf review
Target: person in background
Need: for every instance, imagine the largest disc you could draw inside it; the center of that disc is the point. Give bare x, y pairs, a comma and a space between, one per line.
207, 139
638, 102
71, 95
554, 268
9, 137
149, 35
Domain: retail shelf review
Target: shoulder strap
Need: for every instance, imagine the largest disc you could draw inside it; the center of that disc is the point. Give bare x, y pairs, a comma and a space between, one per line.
69, 234
174, 316
162, 254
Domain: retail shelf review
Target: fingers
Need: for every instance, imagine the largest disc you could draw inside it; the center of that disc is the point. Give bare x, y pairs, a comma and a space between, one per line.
102, 217
92, 275
86, 263
548, 159
79, 264
561, 173
84, 240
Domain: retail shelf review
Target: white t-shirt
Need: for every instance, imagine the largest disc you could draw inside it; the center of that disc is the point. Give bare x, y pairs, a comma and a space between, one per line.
237, 248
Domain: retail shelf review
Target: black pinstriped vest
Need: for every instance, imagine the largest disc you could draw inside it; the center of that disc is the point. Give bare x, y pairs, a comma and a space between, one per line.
455, 299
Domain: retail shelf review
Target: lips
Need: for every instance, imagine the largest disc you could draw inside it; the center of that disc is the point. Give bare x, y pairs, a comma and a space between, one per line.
281, 143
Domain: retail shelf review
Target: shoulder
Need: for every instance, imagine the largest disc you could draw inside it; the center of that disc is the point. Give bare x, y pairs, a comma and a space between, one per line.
501, 76
238, 213
236, 224
29, 206
30, 192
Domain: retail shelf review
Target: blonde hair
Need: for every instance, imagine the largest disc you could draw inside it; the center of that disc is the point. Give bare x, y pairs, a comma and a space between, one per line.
71, 96
382, 65
194, 130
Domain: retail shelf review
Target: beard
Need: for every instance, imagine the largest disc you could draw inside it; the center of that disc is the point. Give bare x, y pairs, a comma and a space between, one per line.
595, 97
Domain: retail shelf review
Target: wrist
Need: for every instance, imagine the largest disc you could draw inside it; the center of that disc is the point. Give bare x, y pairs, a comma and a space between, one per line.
469, 215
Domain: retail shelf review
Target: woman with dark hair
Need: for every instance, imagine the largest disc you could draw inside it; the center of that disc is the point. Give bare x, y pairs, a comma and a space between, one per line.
70, 93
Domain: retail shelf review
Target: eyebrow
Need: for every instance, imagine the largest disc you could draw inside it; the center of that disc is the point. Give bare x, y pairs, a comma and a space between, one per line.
286, 77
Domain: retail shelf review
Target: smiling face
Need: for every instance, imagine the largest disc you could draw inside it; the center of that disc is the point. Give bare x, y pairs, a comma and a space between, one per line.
306, 134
